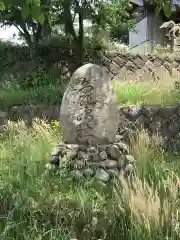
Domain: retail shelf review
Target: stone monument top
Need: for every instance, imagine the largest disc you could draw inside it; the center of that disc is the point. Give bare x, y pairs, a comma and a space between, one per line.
89, 112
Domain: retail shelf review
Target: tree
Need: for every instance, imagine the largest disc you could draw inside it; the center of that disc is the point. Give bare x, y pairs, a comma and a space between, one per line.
101, 13
117, 18
30, 7
30, 18
165, 5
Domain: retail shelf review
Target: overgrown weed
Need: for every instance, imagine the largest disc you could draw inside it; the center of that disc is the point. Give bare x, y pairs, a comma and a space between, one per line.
35, 205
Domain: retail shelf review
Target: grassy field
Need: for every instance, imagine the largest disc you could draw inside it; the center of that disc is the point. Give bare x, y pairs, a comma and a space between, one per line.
150, 92
162, 92
34, 205
41, 95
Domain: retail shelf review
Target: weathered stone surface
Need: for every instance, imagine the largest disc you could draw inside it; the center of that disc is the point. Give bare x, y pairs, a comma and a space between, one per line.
57, 150
89, 109
149, 65
139, 62
102, 175
113, 173
114, 152
95, 155
111, 54
157, 119
145, 69
118, 138
30, 112
88, 173
161, 73
124, 72
93, 165
103, 155
106, 61
167, 65
108, 164
121, 162
114, 68
101, 168
119, 61
131, 66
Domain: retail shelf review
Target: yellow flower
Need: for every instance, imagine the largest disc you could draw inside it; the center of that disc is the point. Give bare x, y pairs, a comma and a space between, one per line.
55, 124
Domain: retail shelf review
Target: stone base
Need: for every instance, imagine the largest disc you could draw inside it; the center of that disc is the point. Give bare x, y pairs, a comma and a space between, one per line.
101, 163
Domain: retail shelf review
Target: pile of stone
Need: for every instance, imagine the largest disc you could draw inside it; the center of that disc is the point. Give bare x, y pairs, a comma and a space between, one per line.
89, 117
101, 162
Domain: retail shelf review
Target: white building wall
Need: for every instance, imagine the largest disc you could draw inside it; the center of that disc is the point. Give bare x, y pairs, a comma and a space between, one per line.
138, 2
139, 34
147, 35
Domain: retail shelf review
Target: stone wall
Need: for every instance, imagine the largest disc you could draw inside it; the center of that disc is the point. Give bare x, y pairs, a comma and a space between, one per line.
62, 61
162, 119
157, 119
30, 112
141, 68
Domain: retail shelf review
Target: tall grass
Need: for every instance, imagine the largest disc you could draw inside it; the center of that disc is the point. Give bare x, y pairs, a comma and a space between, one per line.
41, 95
40, 206
138, 93
128, 92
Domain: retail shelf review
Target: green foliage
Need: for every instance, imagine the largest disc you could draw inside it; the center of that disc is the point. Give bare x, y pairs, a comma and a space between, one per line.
115, 12
146, 93
30, 7
49, 90
2, 7
38, 78
51, 94
92, 43
120, 32
62, 42
4, 45
35, 20
166, 5
36, 205
162, 50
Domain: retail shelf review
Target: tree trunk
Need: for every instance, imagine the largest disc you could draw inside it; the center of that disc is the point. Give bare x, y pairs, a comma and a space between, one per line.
78, 42
46, 28
37, 36
81, 39
46, 31
68, 20
28, 39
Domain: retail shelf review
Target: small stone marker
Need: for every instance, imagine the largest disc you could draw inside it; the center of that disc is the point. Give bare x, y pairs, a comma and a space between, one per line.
89, 117
89, 110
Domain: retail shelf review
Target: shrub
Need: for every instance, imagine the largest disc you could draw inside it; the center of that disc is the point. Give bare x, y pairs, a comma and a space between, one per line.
39, 78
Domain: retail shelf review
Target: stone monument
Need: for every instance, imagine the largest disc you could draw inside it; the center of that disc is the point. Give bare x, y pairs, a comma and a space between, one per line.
89, 118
